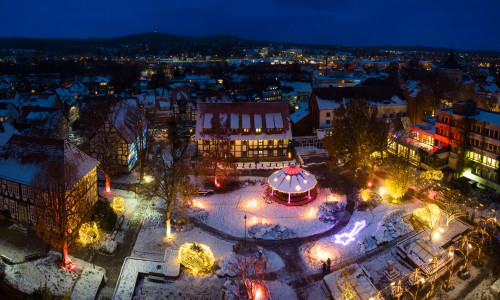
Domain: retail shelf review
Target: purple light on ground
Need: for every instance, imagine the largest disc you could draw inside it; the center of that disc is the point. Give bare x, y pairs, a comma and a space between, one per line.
346, 238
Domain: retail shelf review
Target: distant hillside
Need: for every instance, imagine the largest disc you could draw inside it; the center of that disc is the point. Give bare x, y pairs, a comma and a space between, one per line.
174, 43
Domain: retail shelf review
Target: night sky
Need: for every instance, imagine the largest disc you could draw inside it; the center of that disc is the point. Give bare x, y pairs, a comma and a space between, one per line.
462, 24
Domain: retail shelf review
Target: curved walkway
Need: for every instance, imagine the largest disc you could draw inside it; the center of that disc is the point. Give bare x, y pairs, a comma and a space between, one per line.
292, 241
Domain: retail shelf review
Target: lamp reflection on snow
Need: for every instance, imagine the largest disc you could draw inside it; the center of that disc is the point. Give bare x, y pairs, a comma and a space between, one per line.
319, 254
198, 204
252, 203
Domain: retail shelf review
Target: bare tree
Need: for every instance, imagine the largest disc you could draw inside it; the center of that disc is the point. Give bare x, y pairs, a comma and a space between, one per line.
451, 204
169, 168
251, 270
138, 123
218, 162
65, 200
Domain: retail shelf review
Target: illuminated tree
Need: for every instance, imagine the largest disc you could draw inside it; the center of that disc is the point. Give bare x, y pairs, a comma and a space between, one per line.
400, 178
451, 204
358, 132
169, 168
65, 199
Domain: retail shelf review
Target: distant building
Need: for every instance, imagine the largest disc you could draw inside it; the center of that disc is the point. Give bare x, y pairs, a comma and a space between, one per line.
44, 122
450, 69
389, 102
272, 93
23, 158
256, 130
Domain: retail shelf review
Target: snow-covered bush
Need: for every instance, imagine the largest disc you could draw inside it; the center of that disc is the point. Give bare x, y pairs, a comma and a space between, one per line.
230, 291
106, 245
153, 220
330, 212
270, 232
198, 213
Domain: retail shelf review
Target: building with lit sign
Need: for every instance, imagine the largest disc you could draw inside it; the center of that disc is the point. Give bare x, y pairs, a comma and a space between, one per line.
122, 137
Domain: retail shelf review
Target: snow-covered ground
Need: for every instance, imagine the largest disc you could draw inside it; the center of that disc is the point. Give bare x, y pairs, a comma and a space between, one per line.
151, 241
131, 204
47, 273
313, 254
226, 211
188, 286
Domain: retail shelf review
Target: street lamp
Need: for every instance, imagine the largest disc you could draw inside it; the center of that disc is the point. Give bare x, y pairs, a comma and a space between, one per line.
245, 269
93, 249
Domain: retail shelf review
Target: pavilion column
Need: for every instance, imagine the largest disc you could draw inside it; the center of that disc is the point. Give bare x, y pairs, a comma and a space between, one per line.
309, 194
288, 198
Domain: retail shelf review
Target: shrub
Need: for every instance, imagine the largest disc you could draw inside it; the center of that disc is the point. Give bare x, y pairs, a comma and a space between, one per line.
104, 215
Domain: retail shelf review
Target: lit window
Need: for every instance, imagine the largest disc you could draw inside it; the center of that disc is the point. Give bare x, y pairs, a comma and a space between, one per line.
258, 130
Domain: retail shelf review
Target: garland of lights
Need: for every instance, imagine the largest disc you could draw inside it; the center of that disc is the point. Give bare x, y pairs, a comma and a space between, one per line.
293, 193
197, 257
118, 205
88, 233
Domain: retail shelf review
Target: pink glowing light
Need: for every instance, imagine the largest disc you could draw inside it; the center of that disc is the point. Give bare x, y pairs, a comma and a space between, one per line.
346, 238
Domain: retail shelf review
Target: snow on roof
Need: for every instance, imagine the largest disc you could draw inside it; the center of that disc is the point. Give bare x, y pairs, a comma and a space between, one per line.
38, 115
207, 121
277, 114
235, 121
223, 120
301, 113
300, 87
269, 120
245, 121
22, 158
278, 121
258, 121
8, 131
483, 115
359, 280
292, 179
132, 266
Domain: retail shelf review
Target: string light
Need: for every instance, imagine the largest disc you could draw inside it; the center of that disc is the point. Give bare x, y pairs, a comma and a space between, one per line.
88, 233
118, 205
197, 257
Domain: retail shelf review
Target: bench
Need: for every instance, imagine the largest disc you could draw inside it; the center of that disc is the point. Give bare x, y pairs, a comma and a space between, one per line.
31, 257
6, 259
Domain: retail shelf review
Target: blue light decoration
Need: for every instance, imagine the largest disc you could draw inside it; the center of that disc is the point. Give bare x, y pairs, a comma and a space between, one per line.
134, 147
132, 157
346, 238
